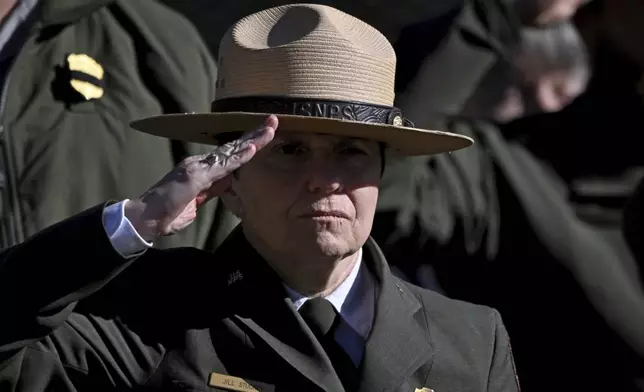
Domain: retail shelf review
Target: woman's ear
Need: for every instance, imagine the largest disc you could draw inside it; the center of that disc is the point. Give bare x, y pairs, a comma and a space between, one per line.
232, 201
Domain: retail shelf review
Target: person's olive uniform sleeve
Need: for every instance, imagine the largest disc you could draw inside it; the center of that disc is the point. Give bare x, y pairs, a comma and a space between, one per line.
432, 198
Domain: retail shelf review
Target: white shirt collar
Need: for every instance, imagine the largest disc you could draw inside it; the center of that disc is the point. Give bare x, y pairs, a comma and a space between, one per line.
353, 299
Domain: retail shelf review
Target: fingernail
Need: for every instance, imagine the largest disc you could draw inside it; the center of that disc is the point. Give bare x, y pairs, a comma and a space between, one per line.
267, 121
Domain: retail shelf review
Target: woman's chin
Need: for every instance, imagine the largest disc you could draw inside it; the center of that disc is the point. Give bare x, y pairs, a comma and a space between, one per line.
325, 244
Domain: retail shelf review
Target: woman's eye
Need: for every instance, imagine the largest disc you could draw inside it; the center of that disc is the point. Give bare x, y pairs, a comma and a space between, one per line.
290, 149
352, 151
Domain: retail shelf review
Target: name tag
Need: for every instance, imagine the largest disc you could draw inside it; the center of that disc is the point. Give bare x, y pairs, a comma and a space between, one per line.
231, 383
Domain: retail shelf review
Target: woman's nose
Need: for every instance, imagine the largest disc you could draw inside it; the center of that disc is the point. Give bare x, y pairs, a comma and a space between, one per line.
324, 178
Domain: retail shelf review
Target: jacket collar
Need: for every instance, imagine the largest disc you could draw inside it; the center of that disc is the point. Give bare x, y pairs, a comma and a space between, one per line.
396, 348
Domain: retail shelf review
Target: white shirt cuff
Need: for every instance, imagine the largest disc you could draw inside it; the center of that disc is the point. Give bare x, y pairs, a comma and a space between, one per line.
123, 236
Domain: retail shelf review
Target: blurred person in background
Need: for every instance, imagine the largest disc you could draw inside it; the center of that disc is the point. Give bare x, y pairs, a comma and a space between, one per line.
462, 46
546, 12
493, 225
73, 74
603, 174
548, 70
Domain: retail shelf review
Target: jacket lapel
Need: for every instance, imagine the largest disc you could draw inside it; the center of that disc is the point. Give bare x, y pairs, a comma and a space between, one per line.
399, 344
263, 308
294, 343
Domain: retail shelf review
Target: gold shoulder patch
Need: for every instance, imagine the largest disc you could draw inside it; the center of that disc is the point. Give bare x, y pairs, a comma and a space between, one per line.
86, 75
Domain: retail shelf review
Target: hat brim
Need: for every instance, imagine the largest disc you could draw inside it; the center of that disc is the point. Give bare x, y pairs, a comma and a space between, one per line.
204, 127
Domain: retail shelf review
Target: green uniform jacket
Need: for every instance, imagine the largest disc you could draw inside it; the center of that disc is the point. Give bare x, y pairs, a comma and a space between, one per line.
61, 153
169, 318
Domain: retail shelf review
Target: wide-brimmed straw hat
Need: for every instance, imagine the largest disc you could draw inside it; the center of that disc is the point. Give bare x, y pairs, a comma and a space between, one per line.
319, 70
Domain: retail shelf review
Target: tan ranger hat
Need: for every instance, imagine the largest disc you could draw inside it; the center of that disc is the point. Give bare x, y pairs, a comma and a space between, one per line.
319, 70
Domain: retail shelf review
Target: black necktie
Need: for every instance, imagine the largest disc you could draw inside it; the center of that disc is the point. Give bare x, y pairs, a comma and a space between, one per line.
323, 320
